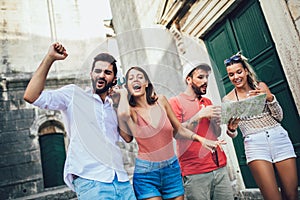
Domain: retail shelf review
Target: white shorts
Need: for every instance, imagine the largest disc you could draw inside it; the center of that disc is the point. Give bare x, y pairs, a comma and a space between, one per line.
272, 145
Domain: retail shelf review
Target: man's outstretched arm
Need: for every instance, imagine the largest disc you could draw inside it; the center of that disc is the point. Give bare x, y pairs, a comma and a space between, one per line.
37, 83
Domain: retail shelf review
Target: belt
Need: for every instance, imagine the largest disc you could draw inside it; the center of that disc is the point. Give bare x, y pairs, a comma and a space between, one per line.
74, 177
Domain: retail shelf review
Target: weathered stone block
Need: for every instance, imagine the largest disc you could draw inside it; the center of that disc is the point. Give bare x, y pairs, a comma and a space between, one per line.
4, 105
56, 193
21, 189
15, 125
14, 136
19, 158
17, 174
21, 146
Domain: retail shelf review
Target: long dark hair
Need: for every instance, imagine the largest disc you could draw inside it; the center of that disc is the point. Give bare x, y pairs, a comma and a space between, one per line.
150, 93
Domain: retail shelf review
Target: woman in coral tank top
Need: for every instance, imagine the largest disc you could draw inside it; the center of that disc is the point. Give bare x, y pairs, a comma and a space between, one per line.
149, 118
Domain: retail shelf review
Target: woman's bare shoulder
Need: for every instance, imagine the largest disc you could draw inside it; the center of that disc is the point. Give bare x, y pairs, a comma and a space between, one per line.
230, 96
161, 98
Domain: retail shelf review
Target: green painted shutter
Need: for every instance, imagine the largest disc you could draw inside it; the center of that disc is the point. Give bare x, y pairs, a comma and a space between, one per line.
245, 29
53, 156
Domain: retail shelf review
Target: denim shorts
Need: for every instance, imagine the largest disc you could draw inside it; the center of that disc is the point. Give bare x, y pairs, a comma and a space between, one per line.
152, 179
91, 189
272, 145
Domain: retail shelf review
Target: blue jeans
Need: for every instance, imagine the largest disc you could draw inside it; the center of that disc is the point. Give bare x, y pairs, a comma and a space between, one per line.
152, 179
90, 189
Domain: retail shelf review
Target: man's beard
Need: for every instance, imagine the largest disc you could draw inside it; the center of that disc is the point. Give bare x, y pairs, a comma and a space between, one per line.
197, 90
102, 90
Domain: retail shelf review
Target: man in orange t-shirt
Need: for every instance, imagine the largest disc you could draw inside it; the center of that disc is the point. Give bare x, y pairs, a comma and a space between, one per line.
204, 173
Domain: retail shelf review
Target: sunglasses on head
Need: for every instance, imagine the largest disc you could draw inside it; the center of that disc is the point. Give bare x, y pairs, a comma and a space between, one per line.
232, 59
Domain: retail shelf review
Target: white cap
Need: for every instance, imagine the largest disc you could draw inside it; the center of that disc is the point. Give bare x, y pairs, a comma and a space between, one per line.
189, 66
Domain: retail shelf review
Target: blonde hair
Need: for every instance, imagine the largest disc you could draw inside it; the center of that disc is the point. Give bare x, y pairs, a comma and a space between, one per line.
252, 78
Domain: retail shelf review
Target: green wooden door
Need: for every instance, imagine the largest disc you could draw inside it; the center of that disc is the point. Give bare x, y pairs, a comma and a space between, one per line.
246, 30
53, 156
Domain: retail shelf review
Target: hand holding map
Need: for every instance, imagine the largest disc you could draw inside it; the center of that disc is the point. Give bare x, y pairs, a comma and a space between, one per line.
251, 106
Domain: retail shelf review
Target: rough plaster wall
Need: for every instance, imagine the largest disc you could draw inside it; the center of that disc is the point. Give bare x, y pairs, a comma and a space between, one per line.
16, 38
142, 42
29, 27
294, 7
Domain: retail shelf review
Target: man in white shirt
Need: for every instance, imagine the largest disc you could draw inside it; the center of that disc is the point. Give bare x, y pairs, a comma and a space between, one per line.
94, 166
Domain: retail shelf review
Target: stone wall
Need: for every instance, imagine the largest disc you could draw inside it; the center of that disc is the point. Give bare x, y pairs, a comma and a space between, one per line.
20, 167
27, 29
20, 161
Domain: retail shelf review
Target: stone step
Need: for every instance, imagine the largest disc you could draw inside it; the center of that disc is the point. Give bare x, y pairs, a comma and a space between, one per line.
57, 193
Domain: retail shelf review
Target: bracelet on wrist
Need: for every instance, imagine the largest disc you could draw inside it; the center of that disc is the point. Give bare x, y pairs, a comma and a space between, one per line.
232, 133
231, 130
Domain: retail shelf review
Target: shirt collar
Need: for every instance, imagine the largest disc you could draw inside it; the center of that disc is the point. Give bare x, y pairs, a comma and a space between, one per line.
96, 96
191, 98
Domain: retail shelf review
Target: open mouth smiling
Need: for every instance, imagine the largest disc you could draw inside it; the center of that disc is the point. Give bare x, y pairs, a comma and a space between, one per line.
237, 81
136, 87
100, 83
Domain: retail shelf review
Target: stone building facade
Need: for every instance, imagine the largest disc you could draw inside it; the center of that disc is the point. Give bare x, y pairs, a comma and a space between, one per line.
157, 35
27, 134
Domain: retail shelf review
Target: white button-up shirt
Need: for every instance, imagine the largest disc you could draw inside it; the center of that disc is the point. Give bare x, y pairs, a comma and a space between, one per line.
92, 128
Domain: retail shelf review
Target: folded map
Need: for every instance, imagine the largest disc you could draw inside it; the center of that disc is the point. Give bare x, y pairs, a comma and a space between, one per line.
249, 107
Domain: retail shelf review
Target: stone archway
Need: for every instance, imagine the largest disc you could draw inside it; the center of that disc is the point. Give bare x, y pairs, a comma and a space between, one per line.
50, 132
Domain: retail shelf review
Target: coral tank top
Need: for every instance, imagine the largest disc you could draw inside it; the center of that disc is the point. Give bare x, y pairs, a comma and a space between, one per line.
155, 143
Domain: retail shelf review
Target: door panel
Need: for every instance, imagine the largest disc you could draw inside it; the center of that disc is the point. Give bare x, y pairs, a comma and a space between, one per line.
252, 36
53, 156
220, 45
266, 70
